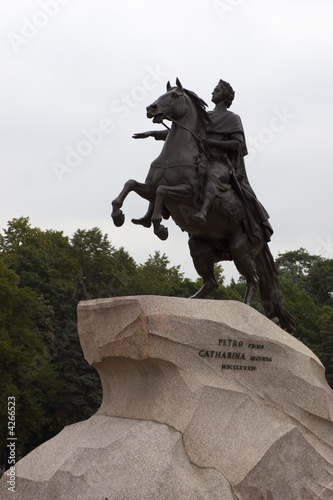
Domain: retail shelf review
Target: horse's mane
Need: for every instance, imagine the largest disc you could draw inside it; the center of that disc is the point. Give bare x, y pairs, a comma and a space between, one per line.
200, 106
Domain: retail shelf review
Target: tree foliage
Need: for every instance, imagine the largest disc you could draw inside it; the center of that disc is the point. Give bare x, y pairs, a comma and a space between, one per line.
26, 371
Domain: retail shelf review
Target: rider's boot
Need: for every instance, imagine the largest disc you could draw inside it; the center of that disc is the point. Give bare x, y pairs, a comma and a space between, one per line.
199, 217
145, 221
202, 214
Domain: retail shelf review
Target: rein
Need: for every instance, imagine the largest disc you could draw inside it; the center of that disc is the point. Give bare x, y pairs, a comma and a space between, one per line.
200, 141
183, 126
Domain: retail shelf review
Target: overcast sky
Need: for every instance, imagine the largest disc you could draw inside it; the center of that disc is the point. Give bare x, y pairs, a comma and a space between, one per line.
77, 76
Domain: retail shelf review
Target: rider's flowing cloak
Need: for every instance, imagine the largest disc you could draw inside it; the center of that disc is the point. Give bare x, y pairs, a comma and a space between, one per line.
226, 125
229, 126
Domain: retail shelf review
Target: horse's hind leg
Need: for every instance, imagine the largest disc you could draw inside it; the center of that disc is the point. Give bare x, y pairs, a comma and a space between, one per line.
239, 247
144, 190
203, 254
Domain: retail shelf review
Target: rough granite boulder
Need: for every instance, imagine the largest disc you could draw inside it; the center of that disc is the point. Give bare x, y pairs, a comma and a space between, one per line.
201, 400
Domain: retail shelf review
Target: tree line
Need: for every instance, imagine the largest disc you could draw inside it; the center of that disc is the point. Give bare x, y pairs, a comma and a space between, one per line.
45, 274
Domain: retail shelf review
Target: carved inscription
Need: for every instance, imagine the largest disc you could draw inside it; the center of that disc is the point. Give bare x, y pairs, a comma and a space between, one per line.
224, 354
232, 350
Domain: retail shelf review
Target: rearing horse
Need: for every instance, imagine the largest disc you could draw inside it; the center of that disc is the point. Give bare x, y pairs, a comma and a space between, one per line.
174, 186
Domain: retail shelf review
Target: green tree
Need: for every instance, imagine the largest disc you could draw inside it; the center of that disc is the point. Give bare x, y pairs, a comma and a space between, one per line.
46, 262
155, 277
319, 282
296, 264
301, 305
93, 257
42, 260
324, 349
26, 372
122, 276
106, 272
306, 282
236, 290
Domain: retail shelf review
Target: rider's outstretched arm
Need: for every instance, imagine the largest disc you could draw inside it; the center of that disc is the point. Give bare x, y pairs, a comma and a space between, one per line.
231, 145
235, 143
159, 135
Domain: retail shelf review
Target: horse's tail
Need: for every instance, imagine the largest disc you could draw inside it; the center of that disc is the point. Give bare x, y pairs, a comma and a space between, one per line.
269, 290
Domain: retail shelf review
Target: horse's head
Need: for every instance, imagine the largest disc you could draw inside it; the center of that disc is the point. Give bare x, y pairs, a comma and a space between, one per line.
171, 105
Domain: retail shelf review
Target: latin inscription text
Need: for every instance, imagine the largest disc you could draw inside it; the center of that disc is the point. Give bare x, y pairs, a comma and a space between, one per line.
233, 351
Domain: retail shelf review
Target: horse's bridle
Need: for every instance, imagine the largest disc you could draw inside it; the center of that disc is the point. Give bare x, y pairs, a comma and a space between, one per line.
200, 141
183, 126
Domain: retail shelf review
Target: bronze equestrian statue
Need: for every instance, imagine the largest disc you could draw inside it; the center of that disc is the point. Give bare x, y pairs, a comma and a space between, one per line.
199, 179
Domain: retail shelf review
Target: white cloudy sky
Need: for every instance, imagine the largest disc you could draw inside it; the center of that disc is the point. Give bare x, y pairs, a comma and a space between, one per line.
70, 67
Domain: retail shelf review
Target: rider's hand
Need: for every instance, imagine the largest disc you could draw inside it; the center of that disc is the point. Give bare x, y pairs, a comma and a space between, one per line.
212, 142
142, 135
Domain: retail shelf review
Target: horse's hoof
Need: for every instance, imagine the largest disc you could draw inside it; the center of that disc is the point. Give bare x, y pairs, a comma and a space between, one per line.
162, 233
118, 218
206, 288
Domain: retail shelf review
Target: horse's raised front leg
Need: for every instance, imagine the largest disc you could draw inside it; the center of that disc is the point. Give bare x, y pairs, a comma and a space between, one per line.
163, 192
146, 191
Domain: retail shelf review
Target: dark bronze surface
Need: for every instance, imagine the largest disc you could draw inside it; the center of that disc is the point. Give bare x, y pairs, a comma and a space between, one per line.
199, 179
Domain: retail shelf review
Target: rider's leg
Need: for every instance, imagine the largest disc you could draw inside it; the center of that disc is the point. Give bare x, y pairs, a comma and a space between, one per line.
209, 195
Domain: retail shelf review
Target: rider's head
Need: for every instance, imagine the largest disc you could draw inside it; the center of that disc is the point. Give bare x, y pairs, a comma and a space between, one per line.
223, 92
